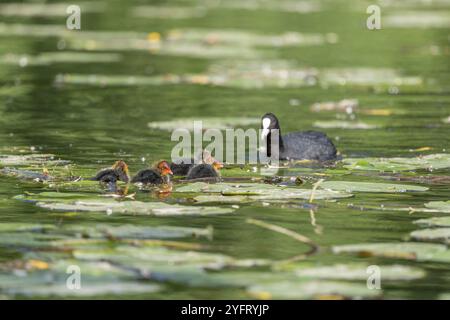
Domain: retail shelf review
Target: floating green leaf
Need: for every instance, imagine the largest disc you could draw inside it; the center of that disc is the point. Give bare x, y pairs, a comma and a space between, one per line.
220, 199
359, 272
401, 250
432, 235
428, 162
355, 186
355, 76
30, 159
49, 58
434, 222
418, 19
343, 125
442, 206
207, 123
99, 278
46, 9
25, 227
257, 191
311, 290
134, 207
83, 202
136, 232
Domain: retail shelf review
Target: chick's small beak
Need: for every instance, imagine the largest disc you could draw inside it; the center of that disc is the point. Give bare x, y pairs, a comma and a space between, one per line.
167, 171
218, 165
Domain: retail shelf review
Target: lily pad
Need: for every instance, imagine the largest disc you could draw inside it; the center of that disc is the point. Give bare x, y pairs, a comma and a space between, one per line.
355, 186
207, 123
343, 125
238, 38
258, 191
135, 207
137, 232
434, 222
441, 206
432, 235
144, 258
25, 227
312, 290
98, 278
65, 202
418, 19
280, 6
86, 290
29, 239
401, 250
46, 9
427, 162
359, 272
25, 174
220, 199
444, 296
168, 12
356, 76
49, 58
30, 160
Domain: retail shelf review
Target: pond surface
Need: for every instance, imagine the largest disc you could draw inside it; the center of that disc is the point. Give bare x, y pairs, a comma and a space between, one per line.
88, 96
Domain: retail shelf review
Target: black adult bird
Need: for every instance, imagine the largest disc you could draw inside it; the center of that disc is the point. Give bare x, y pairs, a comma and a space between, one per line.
156, 175
118, 172
310, 145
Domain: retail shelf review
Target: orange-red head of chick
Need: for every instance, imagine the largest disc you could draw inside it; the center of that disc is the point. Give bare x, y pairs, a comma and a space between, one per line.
122, 170
164, 168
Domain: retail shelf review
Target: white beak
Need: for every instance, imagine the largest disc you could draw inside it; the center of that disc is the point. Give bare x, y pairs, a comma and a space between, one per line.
264, 133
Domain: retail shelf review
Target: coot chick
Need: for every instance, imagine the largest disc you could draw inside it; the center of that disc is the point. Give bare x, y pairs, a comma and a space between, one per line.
181, 167
309, 145
156, 175
118, 172
205, 170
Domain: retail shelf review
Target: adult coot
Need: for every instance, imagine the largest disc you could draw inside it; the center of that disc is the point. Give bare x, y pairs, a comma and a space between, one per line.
310, 145
118, 172
156, 175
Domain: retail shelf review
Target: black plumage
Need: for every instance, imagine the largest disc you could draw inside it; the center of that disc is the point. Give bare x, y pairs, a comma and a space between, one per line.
159, 174
309, 145
182, 166
111, 175
202, 171
148, 176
